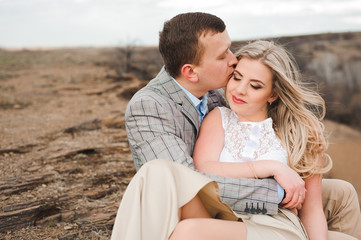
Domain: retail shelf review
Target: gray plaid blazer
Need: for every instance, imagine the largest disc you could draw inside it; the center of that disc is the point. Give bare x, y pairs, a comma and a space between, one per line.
162, 123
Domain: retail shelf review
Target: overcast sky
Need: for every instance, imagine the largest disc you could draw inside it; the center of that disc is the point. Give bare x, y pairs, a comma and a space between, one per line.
56, 23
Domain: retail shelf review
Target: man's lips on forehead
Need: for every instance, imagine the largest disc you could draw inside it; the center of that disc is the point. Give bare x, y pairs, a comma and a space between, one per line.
230, 75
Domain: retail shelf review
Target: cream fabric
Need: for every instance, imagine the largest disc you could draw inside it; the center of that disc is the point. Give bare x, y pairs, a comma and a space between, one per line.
342, 209
283, 226
149, 208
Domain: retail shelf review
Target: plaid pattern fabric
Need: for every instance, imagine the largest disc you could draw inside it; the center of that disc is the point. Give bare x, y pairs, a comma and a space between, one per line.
162, 123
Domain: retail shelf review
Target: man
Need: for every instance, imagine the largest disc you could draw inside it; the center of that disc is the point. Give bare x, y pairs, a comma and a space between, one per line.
163, 119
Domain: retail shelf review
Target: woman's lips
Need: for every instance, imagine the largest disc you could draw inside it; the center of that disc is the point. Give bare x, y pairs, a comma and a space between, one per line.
238, 100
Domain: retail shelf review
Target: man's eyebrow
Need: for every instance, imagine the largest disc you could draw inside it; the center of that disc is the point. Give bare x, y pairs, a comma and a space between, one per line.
224, 52
228, 49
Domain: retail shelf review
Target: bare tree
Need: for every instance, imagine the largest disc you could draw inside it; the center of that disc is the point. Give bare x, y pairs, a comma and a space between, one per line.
124, 56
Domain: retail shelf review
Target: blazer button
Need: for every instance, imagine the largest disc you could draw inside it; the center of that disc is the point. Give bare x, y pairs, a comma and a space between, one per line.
247, 210
258, 210
264, 210
253, 210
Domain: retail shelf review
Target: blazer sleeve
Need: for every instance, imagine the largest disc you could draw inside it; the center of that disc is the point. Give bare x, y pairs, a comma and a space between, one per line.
155, 130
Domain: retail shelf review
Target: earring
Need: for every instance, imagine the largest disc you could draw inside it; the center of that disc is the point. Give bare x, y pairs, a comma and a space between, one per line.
270, 103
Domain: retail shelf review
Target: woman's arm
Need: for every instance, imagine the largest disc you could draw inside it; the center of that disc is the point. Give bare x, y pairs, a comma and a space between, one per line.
208, 149
210, 141
311, 214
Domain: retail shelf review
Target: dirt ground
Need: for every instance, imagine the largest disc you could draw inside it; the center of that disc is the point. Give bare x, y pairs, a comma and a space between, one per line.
64, 156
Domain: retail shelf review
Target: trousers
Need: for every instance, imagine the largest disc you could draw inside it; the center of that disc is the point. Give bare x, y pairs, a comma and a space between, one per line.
342, 209
149, 208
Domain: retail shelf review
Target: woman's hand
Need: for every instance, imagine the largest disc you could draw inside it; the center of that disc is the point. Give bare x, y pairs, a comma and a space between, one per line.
293, 184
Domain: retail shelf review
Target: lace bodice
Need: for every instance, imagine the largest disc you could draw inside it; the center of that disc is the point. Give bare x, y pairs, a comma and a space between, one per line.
249, 141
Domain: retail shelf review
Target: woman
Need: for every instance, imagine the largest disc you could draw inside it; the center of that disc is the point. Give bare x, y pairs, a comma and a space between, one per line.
273, 127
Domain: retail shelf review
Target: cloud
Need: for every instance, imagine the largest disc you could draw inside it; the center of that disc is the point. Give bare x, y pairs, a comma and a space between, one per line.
113, 22
353, 20
263, 8
191, 5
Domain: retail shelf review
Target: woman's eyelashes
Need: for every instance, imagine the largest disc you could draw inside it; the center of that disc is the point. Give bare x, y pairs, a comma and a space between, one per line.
239, 78
255, 87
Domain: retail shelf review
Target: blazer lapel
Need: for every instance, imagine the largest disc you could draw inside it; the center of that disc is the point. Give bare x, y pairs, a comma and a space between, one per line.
179, 96
190, 111
216, 99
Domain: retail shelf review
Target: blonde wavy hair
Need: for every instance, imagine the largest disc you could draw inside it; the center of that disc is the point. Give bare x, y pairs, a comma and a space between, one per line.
297, 112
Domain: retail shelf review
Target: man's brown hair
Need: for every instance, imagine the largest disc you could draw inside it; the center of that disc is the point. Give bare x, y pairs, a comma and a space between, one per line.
178, 42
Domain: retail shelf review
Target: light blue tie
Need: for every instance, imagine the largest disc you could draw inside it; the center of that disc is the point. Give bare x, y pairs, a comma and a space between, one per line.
202, 109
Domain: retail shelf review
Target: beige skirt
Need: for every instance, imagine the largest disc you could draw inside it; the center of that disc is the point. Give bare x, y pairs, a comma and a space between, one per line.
149, 208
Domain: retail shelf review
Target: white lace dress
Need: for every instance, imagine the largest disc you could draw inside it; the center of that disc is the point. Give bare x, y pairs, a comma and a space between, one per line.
249, 141
253, 141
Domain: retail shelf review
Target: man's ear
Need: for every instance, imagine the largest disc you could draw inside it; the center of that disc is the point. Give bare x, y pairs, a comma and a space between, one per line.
188, 72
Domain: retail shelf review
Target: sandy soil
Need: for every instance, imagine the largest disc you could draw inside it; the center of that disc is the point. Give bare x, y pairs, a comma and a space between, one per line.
345, 151
64, 156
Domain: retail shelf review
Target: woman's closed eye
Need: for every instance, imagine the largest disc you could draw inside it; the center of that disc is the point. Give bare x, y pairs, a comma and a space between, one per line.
237, 76
256, 86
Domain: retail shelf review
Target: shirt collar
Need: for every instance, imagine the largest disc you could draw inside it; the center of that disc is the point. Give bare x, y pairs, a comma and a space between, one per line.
196, 101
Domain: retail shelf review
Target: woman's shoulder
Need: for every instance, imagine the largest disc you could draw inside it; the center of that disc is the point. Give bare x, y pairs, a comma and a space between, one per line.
224, 111
216, 113
225, 115
212, 121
